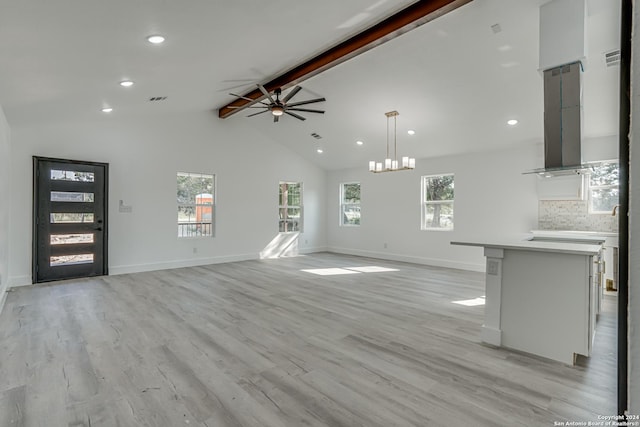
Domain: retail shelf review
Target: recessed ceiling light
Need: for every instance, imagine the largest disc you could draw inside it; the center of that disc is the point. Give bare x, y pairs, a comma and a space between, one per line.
107, 110
512, 122
359, 142
319, 150
155, 39
126, 83
411, 132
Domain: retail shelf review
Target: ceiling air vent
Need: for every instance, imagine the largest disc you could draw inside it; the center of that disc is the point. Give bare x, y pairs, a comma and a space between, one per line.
157, 98
316, 136
612, 58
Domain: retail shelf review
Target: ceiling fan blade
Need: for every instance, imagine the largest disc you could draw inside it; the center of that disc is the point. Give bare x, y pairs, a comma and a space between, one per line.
275, 119
291, 94
310, 101
259, 112
306, 110
247, 99
294, 115
265, 93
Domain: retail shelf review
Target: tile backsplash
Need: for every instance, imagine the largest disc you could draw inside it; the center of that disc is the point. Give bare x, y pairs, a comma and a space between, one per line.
573, 215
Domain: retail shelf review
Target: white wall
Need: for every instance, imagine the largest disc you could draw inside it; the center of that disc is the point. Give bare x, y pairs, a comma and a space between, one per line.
493, 200
634, 227
5, 191
144, 155
600, 148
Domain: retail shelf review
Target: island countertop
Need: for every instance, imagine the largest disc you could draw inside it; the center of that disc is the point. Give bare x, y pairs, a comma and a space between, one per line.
538, 246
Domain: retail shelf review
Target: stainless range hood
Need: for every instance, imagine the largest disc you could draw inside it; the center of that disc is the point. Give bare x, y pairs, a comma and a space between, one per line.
563, 122
562, 52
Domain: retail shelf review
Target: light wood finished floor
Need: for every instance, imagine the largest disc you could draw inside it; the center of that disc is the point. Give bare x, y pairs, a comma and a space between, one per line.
262, 343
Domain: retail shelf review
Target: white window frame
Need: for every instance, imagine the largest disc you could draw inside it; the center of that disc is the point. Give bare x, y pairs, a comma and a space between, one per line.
425, 203
344, 205
601, 187
286, 206
196, 205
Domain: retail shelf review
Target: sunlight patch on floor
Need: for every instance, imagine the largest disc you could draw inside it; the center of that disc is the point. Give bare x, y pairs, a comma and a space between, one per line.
330, 271
471, 302
372, 269
348, 270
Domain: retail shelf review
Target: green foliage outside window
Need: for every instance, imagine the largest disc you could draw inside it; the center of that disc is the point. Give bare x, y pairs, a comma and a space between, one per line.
350, 204
290, 207
604, 187
438, 202
195, 204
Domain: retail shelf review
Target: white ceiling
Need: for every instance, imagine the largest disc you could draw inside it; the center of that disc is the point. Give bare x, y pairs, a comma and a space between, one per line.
453, 80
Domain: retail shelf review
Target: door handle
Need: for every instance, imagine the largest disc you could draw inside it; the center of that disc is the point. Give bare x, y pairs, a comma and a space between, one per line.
98, 228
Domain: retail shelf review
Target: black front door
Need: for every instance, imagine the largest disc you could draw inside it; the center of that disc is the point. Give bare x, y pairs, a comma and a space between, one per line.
69, 219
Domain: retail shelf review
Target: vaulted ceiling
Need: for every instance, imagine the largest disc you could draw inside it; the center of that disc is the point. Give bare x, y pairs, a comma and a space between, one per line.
455, 80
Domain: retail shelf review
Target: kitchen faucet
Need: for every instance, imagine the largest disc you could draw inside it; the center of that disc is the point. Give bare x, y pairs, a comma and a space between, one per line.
613, 212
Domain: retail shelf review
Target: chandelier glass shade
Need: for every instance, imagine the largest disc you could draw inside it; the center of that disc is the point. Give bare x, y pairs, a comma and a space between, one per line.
392, 164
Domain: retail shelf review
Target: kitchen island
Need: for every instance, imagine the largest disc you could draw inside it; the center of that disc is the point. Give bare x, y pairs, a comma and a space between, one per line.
540, 297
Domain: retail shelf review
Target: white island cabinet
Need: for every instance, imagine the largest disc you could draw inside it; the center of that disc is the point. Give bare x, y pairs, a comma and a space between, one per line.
540, 297
610, 249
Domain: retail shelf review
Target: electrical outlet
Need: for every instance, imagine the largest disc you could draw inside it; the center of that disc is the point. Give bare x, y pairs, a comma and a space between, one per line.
195, 250
385, 246
122, 208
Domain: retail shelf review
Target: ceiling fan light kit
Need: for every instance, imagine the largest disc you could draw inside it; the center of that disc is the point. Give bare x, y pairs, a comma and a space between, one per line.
389, 164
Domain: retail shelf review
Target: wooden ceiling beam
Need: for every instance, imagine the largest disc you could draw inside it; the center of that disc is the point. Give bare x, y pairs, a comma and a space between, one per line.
405, 20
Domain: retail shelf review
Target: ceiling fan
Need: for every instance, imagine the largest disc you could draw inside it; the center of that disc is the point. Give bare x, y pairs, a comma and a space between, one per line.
278, 106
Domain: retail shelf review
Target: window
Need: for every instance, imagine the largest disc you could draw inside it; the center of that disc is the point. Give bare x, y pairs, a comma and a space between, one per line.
195, 204
290, 207
62, 175
437, 202
604, 183
350, 204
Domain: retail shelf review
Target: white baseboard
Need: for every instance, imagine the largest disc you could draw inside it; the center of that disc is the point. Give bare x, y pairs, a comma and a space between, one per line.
3, 296
139, 268
434, 262
17, 281
313, 250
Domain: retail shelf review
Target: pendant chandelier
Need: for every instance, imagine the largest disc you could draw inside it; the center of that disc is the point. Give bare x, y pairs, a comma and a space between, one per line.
392, 165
